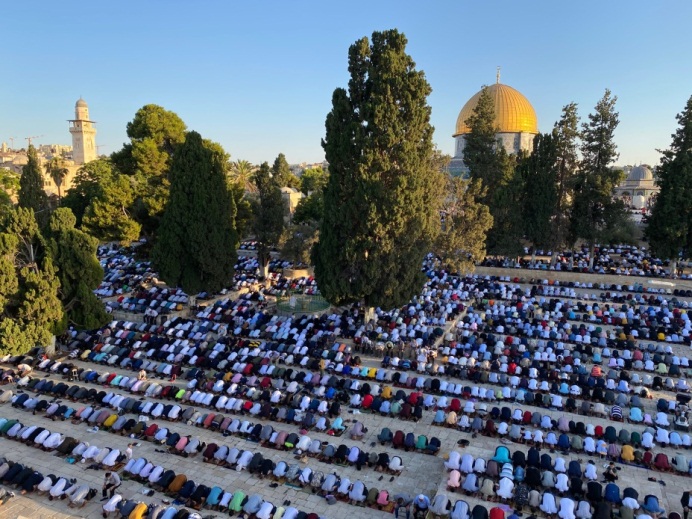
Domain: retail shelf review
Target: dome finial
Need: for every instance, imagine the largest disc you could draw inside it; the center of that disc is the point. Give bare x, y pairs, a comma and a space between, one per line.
497, 77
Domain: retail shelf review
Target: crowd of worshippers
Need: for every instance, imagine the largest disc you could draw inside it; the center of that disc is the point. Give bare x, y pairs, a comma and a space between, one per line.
623, 260
535, 482
184, 491
178, 485
254, 462
515, 365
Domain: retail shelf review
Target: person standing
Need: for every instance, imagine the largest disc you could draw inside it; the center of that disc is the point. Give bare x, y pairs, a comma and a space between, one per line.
686, 502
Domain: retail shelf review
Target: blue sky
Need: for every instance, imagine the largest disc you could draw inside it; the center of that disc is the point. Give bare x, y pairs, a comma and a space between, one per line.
258, 76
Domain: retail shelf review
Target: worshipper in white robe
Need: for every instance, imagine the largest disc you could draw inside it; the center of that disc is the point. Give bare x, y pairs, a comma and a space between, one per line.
562, 483
548, 504
583, 510
460, 510
466, 464
77, 495
454, 461
45, 485
566, 508
506, 489
112, 505
53, 441
58, 489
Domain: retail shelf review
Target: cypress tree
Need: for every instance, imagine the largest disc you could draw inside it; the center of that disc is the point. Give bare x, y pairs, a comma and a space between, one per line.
669, 227
269, 211
31, 193
30, 308
196, 248
79, 271
282, 173
489, 163
594, 208
540, 191
566, 133
480, 150
382, 198
461, 242
154, 135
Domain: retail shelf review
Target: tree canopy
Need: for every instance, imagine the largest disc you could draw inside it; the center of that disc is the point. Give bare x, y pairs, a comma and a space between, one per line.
461, 242
196, 246
594, 208
101, 199
57, 171
282, 173
669, 227
9, 186
313, 180
502, 186
481, 150
30, 308
270, 208
79, 271
540, 190
154, 135
382, 198
31, 193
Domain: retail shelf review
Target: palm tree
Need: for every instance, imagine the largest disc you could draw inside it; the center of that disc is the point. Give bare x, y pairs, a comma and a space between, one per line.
242, 172
55, 168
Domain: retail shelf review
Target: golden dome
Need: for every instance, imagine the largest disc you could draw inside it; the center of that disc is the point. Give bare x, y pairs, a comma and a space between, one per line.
513, 112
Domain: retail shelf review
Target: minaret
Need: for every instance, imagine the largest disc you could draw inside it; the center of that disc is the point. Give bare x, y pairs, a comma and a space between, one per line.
83, 134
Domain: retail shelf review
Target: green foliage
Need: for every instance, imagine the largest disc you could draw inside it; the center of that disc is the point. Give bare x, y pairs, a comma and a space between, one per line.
309, 208
300, 240
62, 219
31, 193
282, 173
30, 309
461, 242
565, 133
86, 186
9, 186
481, 150
503, 187
506, 208
594, 209
382, 198
669, 227
313, 180
79, 271
242, 173
269, 211
538, 171
243, 214
196, 247
57, 171
108, 216
154, 135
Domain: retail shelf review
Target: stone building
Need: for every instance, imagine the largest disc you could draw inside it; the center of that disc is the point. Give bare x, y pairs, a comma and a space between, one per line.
639, 188
83, 134
515, 119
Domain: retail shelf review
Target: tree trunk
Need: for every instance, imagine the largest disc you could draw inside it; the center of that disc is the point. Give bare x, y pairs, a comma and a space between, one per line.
592, 247
50, 347
673, 268
264, 270
369, 314
533, 256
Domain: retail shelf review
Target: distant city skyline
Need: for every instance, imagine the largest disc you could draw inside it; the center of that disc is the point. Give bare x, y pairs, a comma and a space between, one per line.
258, 77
